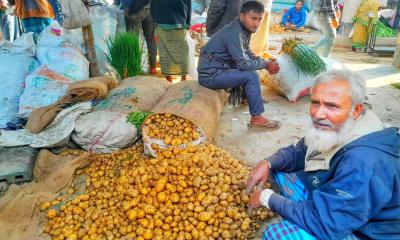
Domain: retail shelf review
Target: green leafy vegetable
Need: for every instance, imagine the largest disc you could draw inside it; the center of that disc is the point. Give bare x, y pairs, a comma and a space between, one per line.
125, 54
385, 31
305, 58
137, 118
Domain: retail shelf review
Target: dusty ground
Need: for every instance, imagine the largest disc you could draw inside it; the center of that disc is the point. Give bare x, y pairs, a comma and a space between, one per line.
253, 145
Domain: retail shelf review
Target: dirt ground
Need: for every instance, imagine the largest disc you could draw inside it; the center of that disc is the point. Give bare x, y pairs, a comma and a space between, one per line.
253, 145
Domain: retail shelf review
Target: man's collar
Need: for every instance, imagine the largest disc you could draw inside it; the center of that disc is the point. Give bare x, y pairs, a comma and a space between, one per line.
245, 30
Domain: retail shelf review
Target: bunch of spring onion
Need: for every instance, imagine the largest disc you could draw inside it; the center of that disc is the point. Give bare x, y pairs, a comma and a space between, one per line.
137, 118
125, 54
305, 58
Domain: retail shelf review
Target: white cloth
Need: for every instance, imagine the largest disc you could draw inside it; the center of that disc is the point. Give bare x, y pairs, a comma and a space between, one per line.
265, 196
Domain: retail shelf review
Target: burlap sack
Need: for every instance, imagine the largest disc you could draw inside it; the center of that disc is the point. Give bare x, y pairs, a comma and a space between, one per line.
92, 89
189, 100
106, 129
20, 218
134, 94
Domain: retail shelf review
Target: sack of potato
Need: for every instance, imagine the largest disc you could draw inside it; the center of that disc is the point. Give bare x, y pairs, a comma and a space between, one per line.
187, 113
106, 129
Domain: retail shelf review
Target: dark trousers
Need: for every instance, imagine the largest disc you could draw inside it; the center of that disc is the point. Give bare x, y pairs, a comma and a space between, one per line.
148, 27
231, 78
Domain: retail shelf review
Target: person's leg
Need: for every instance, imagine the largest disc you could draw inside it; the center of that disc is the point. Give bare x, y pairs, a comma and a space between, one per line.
173, 51
290, 187
286, 230
232, 78
328, 36
131, 25
148, 27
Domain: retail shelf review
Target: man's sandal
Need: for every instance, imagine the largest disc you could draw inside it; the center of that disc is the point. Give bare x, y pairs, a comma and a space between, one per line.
271, 125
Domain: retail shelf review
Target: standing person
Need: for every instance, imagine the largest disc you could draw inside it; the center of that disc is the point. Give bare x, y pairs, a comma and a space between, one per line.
138, 15
326, 15
295, 17
172, 20
221, 13
35, 15
366, 10
226, 62
9, 23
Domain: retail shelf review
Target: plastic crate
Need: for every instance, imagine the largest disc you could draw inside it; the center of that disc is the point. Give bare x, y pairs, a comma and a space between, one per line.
17, 163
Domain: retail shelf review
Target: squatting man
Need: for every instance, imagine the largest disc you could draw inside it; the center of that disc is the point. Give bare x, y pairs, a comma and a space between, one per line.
226, 61
342, 180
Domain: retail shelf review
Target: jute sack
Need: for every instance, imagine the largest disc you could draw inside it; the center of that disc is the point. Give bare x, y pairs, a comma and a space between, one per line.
20, 217
190, 101
75, 14
106, 129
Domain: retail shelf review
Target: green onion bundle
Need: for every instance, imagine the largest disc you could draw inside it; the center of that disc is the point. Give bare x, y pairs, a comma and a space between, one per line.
137, 118
125, 54
385, 31
305, 58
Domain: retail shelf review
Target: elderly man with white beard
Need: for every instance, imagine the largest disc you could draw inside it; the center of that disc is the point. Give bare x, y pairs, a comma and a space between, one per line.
342, 181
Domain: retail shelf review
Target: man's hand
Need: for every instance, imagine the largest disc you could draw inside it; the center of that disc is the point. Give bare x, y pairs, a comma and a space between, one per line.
255, 200
272, 67
258, 176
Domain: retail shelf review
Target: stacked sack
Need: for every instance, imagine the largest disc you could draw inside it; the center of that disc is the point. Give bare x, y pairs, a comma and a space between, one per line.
61, 63
17, 61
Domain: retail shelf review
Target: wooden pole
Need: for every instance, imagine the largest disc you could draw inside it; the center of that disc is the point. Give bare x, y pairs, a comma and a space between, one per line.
91, 52
396, 57
88, 39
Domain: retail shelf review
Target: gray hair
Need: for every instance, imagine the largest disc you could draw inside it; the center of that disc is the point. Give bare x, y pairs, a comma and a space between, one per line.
357, 83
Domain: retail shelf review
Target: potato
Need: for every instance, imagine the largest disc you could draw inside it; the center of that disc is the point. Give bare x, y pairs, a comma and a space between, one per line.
51, 214
186, 193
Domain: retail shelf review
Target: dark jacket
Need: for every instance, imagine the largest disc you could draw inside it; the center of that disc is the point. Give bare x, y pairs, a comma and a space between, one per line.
173, 12
229, 49
221, 13
359, 194
131, 7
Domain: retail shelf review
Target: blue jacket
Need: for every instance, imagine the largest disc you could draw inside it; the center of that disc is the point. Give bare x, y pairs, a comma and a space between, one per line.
229, 49
295, 17
359, 194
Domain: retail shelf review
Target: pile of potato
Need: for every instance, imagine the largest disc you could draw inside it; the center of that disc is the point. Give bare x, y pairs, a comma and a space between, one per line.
171, 129
276, 28
192, 193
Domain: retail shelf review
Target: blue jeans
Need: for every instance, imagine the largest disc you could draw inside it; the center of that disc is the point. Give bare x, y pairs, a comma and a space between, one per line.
328, 36
231, 78
292, 188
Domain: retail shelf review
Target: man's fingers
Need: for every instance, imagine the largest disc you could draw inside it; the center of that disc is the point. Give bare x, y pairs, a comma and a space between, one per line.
250, 184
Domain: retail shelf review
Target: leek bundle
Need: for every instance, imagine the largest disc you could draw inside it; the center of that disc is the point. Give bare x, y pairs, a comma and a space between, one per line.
305, 58
125, 54
137, 118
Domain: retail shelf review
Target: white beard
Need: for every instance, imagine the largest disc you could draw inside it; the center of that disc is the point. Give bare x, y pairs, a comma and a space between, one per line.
323, 140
